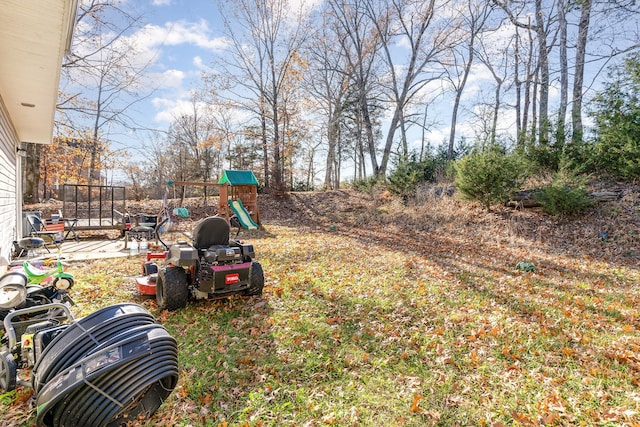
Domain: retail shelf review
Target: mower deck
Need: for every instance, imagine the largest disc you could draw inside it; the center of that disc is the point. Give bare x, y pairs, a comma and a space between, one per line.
147, 285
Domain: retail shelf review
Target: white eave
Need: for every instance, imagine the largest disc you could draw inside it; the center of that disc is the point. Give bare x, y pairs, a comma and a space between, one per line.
34, 37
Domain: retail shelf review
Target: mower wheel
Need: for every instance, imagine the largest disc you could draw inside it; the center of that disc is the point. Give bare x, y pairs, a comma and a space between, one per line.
256, 279
172, 292
8, 372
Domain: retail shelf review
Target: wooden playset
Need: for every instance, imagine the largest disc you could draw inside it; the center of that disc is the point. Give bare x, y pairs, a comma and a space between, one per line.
239, 196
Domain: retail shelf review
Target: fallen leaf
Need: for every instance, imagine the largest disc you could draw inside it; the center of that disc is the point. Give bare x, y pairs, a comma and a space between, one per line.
414, 405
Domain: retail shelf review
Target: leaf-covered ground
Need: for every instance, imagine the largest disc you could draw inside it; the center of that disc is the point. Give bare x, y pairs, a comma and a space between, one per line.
376, 313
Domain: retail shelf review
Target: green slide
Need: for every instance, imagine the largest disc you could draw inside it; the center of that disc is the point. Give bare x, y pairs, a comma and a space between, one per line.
243, 216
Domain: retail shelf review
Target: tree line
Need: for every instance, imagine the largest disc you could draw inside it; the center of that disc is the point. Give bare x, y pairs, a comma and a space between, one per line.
312, 96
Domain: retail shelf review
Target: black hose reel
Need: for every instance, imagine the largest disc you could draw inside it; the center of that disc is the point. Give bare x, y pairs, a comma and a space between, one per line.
107, 369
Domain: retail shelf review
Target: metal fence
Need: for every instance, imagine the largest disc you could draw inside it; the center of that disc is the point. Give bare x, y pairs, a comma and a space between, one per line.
94, 207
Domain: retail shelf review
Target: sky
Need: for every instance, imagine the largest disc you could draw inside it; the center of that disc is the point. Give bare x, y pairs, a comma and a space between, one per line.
179, 39
183, 37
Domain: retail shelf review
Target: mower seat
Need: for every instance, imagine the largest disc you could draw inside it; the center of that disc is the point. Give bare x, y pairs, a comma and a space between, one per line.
211, 231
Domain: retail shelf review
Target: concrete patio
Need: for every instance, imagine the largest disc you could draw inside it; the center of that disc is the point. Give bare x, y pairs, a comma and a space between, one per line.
83, 249
92, 249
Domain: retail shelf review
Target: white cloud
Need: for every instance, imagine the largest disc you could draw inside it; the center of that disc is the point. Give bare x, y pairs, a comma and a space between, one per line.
181, 32
304, 6
170, 79
438, 136
169, 109
199, 64
296, 11
161, 2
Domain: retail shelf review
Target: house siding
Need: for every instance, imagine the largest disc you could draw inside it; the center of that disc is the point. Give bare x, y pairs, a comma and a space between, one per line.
8, 186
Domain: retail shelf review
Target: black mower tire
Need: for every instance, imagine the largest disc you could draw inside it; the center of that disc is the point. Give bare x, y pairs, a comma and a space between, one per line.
8, 372
256, 279
172, 291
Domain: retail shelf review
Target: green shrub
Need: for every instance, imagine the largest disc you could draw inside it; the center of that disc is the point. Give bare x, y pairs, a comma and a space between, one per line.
365, 185
617, 121
490, 176
542, 158
404, 178
408, 172
566, 195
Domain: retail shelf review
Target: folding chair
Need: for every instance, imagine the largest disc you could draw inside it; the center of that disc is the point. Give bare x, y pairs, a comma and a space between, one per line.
39, 229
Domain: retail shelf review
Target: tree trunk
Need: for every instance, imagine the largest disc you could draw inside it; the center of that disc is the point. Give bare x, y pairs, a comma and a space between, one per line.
544, 76
456, 103
368, 127
576, 111
564, 73
395, 120
333, 125
265, 146
527, 91
476, 21
32, 173
518, 84
496, 110
527, 199
534, 105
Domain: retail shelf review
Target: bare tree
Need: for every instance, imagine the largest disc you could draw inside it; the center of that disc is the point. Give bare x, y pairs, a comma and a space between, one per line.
102, 76
411, 23
227, 130
199, 146
495, 56
541, 27
328, 84
99, 83
578, 79
360, 41
265, 36
473, 18
564, 71
611, 29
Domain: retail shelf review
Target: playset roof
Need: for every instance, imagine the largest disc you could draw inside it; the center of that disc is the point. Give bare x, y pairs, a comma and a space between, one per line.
236, 177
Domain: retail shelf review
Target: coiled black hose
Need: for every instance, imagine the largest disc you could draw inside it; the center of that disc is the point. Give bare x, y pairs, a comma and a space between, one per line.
85, 336
128, 379
124, 371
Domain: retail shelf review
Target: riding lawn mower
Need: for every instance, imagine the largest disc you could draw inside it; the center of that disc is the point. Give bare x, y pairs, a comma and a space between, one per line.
211, 266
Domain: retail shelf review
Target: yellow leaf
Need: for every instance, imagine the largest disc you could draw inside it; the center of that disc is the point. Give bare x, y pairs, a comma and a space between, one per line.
628, 329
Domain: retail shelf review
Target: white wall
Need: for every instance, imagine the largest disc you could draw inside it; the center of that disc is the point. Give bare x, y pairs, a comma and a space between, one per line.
9, 206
